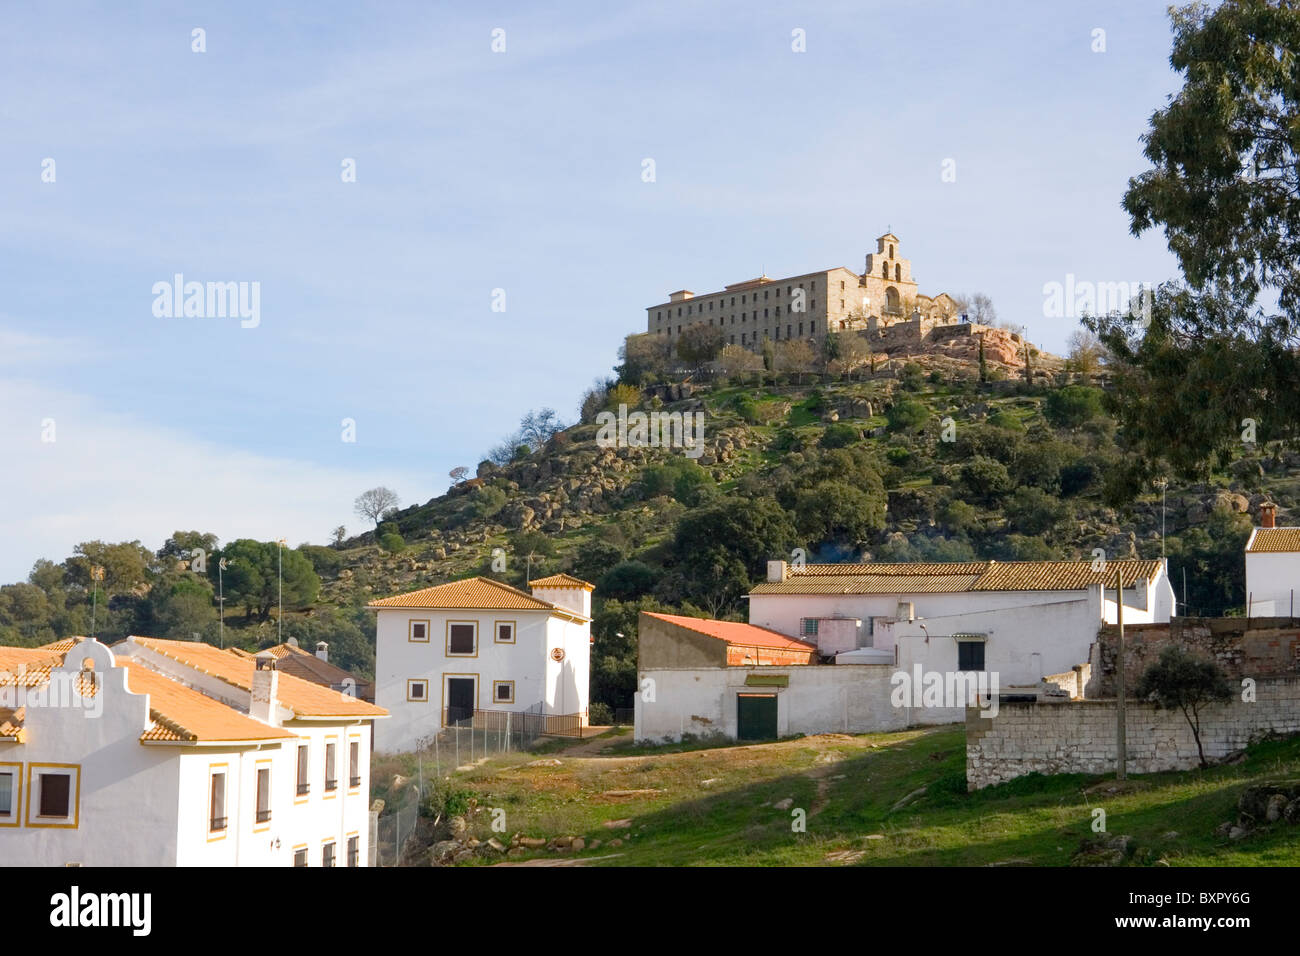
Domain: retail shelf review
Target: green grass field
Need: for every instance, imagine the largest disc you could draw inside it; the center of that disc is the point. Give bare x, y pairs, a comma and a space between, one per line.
697, 804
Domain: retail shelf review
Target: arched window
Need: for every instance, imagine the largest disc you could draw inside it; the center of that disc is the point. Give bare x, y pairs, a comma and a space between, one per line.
891, 250
884, 270
891, 300
898, 273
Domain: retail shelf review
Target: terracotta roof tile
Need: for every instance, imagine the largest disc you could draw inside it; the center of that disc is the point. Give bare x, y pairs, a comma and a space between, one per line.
302, 697
743, 635
933, 578
182, 714
11, 723
1274, 541
562, 581
471, 593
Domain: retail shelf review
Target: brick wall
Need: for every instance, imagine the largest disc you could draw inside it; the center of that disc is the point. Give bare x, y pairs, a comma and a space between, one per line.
1079, 737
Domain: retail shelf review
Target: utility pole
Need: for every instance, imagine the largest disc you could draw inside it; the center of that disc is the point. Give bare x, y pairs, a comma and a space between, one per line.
1121, 733
280, 622
221, 600
1162, 484
96, 575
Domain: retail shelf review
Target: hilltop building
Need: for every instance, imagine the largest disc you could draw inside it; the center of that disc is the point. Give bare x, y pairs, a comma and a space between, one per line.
808, 306
173, 753
1272, 567
455, 652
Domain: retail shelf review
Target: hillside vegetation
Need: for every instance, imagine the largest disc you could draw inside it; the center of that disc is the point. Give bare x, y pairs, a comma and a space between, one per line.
917, 461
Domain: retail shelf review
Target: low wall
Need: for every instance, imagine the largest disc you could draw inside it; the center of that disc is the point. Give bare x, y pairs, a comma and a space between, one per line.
818, 700
1079, 737
1259, 648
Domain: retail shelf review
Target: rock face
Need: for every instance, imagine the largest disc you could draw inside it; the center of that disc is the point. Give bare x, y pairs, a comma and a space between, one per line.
1262, 805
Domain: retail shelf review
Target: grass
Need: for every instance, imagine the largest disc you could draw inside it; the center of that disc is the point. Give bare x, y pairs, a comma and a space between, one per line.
700, 803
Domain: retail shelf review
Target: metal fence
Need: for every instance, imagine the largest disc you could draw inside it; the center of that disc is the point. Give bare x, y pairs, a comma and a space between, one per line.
624, 716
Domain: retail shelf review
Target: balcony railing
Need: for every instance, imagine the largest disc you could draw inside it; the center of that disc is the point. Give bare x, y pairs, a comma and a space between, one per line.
263, 816
217, 823
304, 789
354, 781
331, 785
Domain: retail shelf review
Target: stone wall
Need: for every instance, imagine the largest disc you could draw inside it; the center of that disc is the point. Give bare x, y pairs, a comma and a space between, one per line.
1259, 648
1079, 737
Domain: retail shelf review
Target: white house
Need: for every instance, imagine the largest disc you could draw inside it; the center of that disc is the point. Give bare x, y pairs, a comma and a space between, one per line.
1005, 625
171, 753
445, 653
1272, 567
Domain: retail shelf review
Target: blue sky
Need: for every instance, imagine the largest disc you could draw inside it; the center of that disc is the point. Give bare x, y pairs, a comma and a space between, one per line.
476, 171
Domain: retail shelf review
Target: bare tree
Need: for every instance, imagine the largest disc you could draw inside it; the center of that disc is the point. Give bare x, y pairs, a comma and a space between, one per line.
736, 360
795, 355
536, 428
458, 474
339, 535
375, 503
1085, 351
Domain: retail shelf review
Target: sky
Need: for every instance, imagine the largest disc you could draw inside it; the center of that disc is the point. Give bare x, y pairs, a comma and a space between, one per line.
994, 138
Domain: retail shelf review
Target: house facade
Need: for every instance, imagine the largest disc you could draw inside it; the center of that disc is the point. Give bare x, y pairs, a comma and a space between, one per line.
171, 753
446, 653
894, 645
1272, 567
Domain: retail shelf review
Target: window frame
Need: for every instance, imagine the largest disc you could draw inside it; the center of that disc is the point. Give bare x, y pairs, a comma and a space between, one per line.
354, 763
354, 849
302, 772
262, 823
983, 661
215, 832
410, 630
503, 700
496, 632
331, 787
13, 817
303, 851
447, 646
414, 682
329, 853
69, 821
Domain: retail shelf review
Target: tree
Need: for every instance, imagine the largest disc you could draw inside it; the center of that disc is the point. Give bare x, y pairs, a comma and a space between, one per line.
627, 580
622, 395
252, 576
182, 545
854, 352
906, 416
977, 308
458, 474
537, 428
1072, 406
794, 355
1085, 352
338, 536
840, 512
1224, 186
375, 503
126, 565
720, 548
700, 344
644, 358
1180, 680
736, 361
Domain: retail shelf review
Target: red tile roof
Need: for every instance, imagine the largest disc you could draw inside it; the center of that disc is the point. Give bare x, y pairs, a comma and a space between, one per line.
741, 635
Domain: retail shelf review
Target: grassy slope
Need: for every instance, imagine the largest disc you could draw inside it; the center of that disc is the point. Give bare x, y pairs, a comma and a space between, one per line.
849, 787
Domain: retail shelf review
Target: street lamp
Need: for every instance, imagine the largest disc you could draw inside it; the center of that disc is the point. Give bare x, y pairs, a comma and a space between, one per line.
221, 600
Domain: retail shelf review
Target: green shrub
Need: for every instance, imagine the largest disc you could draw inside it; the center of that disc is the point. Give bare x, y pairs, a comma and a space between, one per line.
839, 435
907, 415
600, 715
393, 543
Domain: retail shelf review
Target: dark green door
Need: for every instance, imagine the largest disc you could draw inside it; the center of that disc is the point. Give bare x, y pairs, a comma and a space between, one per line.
756, 717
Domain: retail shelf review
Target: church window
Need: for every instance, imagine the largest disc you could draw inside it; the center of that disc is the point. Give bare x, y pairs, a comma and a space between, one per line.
898, 272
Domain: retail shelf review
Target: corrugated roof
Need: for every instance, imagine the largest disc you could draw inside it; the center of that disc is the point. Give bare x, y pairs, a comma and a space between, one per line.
302, 697
1274, 541
469, 594
562, 581
932, 578
742, 635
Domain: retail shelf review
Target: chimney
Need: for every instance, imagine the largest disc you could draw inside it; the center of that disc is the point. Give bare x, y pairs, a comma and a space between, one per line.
1268, 515
266, 682
776, 571
323, 651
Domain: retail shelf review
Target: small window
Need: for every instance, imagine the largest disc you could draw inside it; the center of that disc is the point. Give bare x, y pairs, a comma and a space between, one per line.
970, 655
217, 803
503, 691
419, 631
56, 794
263, 794
808, 627
505, 632
327, 854
461, 638
354, 851
331, 775
354, 763
304, 781
300, 856
6, 793
417, 690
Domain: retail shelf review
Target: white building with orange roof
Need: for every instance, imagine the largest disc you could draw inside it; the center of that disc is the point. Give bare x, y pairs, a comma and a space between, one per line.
171, 753
1272, 567
450, 652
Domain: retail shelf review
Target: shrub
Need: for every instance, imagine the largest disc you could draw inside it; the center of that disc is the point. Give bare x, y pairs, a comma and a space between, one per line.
1072, 406
839, 435
1185, 682
393, 543
600, 715
907, 415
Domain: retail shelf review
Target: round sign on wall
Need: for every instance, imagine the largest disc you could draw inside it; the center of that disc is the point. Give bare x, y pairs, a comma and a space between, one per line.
557, 654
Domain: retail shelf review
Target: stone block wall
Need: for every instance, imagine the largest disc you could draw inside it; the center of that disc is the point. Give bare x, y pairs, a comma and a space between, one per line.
1079, 737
